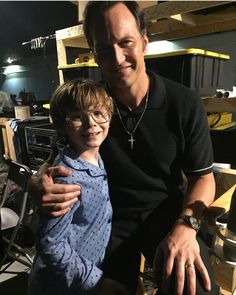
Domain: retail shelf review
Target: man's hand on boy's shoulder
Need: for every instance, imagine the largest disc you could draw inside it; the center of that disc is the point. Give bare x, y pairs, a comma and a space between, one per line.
51, 198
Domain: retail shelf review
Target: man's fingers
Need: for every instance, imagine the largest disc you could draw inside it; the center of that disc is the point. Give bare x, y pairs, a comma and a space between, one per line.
58, 171
57, 209
191, 278
60, 198
179, 276
61, 193
169, 260
200, 267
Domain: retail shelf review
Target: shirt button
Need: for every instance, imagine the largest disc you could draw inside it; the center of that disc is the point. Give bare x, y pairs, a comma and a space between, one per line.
109, 221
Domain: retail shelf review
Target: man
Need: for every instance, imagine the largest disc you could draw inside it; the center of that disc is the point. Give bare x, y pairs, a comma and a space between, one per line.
159, 130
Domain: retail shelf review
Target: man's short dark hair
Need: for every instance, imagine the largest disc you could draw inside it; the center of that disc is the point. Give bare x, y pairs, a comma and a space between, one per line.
94, 9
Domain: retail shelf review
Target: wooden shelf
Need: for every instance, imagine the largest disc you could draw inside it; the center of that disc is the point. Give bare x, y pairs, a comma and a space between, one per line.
173, 20
74, 66
69, 37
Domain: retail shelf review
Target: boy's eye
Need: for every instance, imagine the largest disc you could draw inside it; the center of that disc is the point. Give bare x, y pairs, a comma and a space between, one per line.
97, 113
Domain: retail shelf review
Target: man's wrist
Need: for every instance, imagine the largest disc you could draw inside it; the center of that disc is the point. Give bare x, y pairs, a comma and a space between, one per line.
190, 221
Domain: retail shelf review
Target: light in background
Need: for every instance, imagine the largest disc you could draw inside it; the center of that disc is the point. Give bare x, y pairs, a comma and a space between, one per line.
162, 47
12, 69
10, 60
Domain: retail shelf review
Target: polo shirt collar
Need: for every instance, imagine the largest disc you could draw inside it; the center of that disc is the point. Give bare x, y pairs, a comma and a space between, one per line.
71, 159
157, 95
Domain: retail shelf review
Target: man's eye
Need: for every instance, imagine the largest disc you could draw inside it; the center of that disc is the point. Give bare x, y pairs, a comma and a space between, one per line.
126, 43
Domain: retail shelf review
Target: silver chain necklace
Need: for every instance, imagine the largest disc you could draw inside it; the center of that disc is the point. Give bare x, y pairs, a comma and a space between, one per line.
131, 139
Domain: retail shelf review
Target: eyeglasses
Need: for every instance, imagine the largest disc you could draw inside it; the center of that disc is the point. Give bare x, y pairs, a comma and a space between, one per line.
98, 116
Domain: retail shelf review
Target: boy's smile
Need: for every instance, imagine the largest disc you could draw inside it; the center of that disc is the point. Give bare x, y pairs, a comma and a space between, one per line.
87, 130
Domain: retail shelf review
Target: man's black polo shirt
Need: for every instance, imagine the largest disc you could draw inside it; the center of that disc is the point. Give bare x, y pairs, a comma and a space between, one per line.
172, 137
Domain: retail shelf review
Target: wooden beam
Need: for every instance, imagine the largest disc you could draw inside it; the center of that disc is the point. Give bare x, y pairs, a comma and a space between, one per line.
183, 18
195, 31
164, 26
211, 17
166, 9
72, 37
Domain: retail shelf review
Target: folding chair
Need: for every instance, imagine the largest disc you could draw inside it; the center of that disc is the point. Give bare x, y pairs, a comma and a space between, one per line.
18, 176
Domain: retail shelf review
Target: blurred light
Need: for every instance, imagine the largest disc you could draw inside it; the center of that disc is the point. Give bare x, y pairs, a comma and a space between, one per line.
14, 69
161, 47
10, 60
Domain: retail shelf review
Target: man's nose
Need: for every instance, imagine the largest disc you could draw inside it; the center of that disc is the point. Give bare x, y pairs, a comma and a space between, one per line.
118, 54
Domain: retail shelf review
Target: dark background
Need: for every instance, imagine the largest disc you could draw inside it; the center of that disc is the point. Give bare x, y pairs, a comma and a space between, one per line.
21, 21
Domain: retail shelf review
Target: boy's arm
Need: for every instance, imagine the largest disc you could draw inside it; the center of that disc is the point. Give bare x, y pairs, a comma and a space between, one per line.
74, 271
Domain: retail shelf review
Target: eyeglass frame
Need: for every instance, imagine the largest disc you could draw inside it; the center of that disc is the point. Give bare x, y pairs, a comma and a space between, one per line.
90, 113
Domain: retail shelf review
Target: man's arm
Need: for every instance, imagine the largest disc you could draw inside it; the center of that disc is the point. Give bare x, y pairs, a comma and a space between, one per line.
180, 247
51, 198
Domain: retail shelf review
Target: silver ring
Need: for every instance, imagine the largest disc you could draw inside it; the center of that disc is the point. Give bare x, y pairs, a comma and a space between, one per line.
189, 265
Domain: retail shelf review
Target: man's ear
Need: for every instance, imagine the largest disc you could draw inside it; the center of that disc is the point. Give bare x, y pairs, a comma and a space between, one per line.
95, 58
145, 41
95, 55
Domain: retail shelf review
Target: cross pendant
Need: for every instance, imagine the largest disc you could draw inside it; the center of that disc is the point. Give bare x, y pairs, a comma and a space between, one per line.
131, 140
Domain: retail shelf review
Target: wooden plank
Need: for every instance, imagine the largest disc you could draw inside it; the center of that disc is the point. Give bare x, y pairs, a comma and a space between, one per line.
166, 25
225, 179
8, 135
224, 200
186, 18
72, 37
180, 21
214, 17
225, 185
194, 31
71, 32
4, 137
166, 9
219, 105
225, 276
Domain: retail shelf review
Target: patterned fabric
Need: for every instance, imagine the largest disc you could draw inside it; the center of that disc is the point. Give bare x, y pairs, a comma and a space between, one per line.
71, 248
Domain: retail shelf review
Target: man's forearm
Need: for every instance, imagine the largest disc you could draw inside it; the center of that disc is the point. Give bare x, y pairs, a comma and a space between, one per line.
200, 194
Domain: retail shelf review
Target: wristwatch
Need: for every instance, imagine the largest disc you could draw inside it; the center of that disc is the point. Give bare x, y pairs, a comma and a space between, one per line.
191, 221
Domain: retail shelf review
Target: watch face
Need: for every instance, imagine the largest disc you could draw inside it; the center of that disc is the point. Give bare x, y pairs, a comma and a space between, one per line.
191, 221
194, 223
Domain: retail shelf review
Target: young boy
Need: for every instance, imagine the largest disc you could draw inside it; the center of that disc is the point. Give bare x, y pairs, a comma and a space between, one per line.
71, 248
